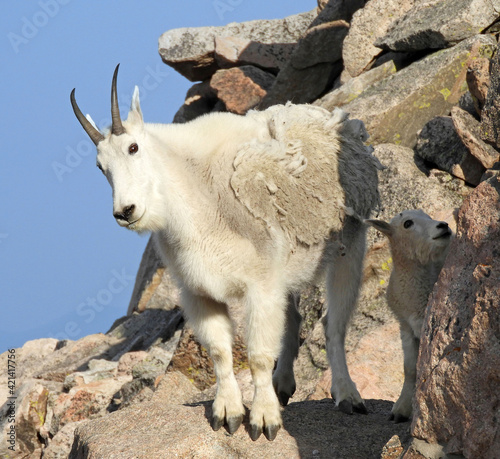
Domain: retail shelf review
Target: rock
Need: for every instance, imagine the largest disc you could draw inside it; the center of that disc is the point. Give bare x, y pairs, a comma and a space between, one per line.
396, 108
469, 130
149, 276
368, 24
439, 24
490, 116
311, 429
190, 51
60, 446
333, 10
301, 86
321, 43
439, 143
200, 99
241, 88
355, 86
313, 66
457, 395
235, 51
478, 81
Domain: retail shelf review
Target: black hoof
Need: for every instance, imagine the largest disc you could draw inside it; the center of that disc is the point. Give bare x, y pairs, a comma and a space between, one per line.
255, 432
345, 406
360, 408
217, 422
283, 398
271, 431
234, 423
400, 418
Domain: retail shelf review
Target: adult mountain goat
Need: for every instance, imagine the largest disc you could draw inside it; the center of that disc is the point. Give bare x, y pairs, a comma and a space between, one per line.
249, 209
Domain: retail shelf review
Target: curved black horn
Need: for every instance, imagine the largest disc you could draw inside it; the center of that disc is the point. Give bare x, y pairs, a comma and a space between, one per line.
116, 122
93, 133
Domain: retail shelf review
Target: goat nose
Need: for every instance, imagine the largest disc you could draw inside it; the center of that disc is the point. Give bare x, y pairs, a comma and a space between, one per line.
442, 225
125, 213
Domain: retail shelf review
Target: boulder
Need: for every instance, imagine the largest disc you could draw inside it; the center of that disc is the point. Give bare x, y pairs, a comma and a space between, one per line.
469, 131
182, 429
439, 144
191, 51
241, 88
312, 68
368, 24
355, 86
458, 370
235, 51
439, 24
396, 108
490, 116
478, 81
200, 99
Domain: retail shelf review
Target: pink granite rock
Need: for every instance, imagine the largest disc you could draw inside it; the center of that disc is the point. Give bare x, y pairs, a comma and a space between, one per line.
457, 398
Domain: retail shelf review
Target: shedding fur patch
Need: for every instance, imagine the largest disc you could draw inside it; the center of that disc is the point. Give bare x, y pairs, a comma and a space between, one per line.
293, 179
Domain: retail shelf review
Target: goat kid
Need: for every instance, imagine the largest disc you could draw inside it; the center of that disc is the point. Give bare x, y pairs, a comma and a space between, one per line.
249, 210
419, 246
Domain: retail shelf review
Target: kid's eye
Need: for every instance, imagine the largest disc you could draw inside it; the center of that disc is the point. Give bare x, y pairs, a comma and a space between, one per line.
133, 149
408, 223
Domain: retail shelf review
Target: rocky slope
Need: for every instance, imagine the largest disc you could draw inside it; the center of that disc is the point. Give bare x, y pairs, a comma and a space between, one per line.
424, 77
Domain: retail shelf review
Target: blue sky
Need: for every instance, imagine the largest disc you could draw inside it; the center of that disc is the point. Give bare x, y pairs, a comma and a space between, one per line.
66, 268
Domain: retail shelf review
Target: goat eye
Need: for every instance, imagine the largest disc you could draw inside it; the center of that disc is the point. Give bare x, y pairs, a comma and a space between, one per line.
408, 223
100, 167
134, 148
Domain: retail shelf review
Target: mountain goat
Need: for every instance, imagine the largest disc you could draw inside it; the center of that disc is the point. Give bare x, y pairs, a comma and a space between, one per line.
419, 246
249, 209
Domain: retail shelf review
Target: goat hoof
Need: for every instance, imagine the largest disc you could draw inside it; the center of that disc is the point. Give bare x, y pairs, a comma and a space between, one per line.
255, 432
345, 406
400, 418
234, 423
283, 398
271, 431
217, 422
360, 408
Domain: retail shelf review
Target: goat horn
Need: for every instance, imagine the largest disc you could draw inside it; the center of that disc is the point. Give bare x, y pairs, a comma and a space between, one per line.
93, 133
116, 122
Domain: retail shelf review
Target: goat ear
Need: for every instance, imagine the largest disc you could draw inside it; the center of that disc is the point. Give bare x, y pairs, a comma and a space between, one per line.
135, 113
381, 226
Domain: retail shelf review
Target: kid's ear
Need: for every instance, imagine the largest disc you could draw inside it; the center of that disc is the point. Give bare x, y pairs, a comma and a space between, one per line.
381, 226
135, 113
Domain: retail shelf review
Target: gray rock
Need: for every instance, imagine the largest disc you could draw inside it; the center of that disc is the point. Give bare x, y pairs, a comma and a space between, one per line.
190, 51
439, 143
439, 24
333, 10
311, 429
368, 24
457, 395
469, 130
235, 51
321, 43
396, 108
355, 86
200, 99
312, 68
301, 86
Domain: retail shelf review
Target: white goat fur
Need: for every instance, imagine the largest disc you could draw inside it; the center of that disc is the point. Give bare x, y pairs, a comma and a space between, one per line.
419, 246
249, 210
